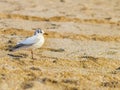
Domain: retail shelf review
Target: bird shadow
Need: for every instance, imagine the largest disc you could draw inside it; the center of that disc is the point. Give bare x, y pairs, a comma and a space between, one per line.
18, 56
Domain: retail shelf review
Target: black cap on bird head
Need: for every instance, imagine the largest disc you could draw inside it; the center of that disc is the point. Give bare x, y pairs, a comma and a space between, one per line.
39, 31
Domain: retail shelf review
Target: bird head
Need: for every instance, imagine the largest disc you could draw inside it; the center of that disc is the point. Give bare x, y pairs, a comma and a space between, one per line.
38, 31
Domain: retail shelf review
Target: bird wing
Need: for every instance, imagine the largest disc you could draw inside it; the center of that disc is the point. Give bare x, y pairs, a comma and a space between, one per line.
29, 41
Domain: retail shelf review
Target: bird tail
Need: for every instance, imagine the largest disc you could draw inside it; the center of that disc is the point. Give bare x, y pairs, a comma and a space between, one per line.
16, 47
13, 49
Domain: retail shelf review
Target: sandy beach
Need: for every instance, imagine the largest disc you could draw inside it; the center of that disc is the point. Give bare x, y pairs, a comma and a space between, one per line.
81, 49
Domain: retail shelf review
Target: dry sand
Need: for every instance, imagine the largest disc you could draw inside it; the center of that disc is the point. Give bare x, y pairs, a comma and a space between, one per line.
82, 48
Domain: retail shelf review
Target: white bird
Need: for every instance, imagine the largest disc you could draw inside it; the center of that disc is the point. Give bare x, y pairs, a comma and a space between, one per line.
31, 43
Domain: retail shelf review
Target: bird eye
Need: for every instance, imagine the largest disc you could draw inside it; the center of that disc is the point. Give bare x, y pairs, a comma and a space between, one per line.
40, 31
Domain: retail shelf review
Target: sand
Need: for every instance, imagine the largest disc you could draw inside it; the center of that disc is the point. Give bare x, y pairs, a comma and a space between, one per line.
81, 49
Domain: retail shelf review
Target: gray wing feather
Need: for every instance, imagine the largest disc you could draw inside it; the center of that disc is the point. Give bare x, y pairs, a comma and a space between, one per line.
26, 43
29, 41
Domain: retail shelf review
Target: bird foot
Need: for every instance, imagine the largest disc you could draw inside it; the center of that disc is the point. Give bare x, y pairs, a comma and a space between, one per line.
34, 58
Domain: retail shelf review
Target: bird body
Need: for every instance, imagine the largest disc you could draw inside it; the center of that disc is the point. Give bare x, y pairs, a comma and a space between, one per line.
31, 43
40, 42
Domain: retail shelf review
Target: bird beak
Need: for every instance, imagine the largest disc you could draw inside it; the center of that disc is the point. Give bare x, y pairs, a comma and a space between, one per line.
45, 34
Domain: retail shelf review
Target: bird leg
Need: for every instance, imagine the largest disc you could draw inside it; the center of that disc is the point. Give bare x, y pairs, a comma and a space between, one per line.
32, 54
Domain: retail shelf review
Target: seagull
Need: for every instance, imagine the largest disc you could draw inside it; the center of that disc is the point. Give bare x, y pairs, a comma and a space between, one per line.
31, 43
